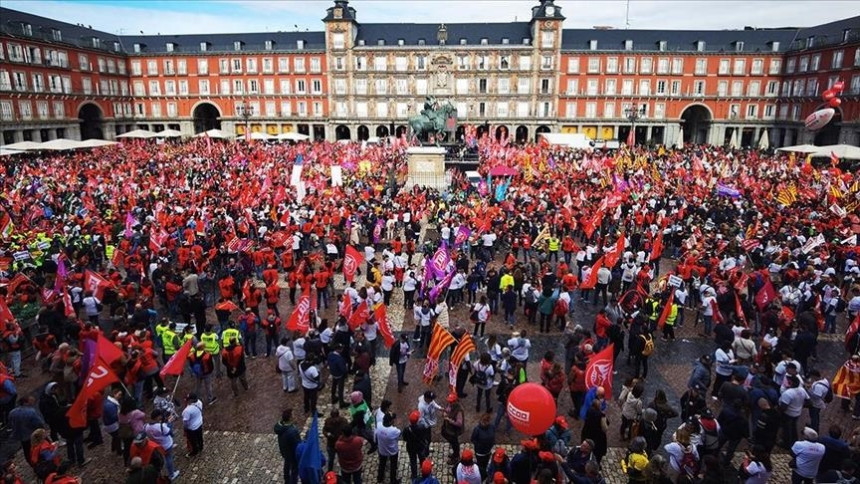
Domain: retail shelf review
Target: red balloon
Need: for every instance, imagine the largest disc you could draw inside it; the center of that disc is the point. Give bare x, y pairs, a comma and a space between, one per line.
838, 86
828, 94
531, 408
835, 102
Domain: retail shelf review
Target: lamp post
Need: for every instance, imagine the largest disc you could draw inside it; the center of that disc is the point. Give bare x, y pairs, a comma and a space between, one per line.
246, 111
633, 114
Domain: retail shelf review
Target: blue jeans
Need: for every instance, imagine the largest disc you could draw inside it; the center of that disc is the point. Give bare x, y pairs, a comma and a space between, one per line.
814, 418
401, 371
250, 340
502, 412
709, 323
168, 460
830, 323
15, 357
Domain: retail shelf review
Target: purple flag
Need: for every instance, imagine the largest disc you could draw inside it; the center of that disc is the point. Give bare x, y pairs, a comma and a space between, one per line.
463, 234
129, 225
727, 191
439, 262
443, 284
428, 278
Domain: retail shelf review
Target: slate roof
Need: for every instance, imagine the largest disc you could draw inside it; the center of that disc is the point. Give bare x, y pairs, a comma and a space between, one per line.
10, 21
830, 33
515, 32
282, 41
678, 40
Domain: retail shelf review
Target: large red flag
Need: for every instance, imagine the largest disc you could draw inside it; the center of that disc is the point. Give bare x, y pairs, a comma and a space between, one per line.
592, 277
299, 318
99, 377
96, 283
852, 330
176, 363
765, 295
69, 308
345, 308
667, 309
5, 313
615, 254
352, 259
739, 310
107, 350
657, 248
359, 316
381, 315
598, 371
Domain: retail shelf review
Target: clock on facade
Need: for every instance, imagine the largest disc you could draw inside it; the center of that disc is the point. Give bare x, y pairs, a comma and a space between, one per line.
550, 11
338, 13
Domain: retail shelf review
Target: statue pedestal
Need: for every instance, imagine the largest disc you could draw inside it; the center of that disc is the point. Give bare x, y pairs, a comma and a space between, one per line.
426, 167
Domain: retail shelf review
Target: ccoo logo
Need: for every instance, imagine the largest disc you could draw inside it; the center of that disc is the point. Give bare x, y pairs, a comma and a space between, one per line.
598, 372
349, 264
516, 413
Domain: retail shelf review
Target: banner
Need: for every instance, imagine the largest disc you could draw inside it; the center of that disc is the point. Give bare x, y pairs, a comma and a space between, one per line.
614, 254
359, 316
598, 371
299, 318
592, 276
439, 340
439, 262
463, 234
812, 243
96, 283
176, 363
99, 377
381, 316
352, 259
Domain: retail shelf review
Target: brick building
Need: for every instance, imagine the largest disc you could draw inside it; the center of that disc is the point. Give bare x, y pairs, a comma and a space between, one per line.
354, 81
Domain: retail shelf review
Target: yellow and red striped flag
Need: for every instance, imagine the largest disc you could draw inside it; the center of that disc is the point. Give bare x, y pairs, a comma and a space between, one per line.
846, 383
439, 340
464, 347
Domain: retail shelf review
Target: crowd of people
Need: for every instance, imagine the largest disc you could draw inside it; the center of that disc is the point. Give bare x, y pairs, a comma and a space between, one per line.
129, 259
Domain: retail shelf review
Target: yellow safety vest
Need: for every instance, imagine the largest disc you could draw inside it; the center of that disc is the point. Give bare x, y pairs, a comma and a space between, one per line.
168, 338
673, 314
230, 334
210, 341
160, 329
553, 244
187, 337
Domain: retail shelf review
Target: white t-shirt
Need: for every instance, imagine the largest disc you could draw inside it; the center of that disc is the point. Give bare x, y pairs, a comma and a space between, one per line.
758, 473
91, 307
310, 378
807, 455
793, 399
192, 416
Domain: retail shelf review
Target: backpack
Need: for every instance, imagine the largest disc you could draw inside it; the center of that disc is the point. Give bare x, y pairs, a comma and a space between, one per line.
689, 465
479, 378
560, 308
841, 305
648, 347
828, 397
530, 296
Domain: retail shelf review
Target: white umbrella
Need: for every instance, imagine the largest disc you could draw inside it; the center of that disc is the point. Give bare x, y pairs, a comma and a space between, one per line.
293, 136
680, 140
138, 134
844, 152
260, 136
7, 152
24, 146
61, 144
733, 143
169, 133
97, 143
213, 133
800, 148
764, 141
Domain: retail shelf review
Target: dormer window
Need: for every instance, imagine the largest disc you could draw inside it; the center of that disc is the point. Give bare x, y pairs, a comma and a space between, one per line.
421, 42
380, 42
237, 45
484, 41
774, 46
662, 45
845, 34
300, 44
138, 48
57, 35
506, 41
810, 41
739, 46
204, 46
401, 42
360, 41
169, 47
462, 41
526, 41
592, 45
97, 42
268, 44
700, 46
116, 46
628, 45
26, 29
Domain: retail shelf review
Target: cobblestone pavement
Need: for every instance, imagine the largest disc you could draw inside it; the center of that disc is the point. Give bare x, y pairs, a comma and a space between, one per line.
241, 448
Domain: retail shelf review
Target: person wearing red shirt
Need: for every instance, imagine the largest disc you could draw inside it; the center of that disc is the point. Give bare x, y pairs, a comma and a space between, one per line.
601, 326
270, 327
270, 275
273, 295
253, 297
349, 454
226, 285
568, 246
149, 452
95, 409
172, 291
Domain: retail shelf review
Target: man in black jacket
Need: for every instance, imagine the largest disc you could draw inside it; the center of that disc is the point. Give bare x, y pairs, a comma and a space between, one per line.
417, 440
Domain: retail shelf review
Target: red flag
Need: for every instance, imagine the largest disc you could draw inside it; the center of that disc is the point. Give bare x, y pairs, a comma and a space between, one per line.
99, 377
352, 259
613, 256
592, 223
718, 316
69, 309
96, 283
176, 363
359, 316
5, 313
119, 257
657, 248
299, 318
346, 306
107, 350
667, 309
17, 281
381, 315
739, 310
226, 306
592, 277
765, 295
852, 330
598, 371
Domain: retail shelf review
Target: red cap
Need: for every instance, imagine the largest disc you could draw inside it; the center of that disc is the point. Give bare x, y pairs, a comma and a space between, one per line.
546, 456
330, 477
467, 454
426, 467
414, 416
452, 397
499, 478
529, 444
562, 422
499, 455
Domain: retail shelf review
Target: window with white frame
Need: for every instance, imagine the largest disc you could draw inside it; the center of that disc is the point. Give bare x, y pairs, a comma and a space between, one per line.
203, 87
135, 68
154, 88
402, 86
238, 86
836, 60
646, 65
316, 64
26, 109
170, 88
612, 65
757, 67
815, 62
525, 62
268, 86
547, 39
504, 85
609, 110
361, 109
59, 110
701, 66
645, 87
772, 88
769, 111
663, 65
253, 86
171, 110
271, 109
591, 86
299, 64
774, 67
421, 87
523, 85
752, 111
285, 86
6, 112
724, 66
183, 87
737, 88
627, 87
699, 88
546, 62
523, 109
155, 109
380, 63
610, 87
740, 67
286, 109
381, 86
803, 65
754, 89
661, 87
316, 86
591, 110
570, 109
464, 62
138, 88
630, 65
659, 110
502, 109
723, 88
338, 40
251, 65
594, 65
504, 62
152, 67
678, 65
301, 86
675, 88
572, 87
283, 64
360, 86
42, 109
421, 62
382, 109
401, 63
340, 86
573, 65
38, 82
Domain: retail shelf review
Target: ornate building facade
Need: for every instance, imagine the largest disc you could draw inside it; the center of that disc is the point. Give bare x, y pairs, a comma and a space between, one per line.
356, 80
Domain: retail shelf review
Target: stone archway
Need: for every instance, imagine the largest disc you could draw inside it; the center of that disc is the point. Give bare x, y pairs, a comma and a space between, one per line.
522, 134
206, 116
401, 131
363, 133
342, 132
501, 132
90, 116
541, 130
697, 124
382, 131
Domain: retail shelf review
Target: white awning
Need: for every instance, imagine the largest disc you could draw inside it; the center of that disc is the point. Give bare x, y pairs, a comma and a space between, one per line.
293, 137
169, 133
213, 133
138, 134
96, 143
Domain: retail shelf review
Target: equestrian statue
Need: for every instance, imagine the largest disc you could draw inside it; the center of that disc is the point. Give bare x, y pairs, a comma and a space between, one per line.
432, 119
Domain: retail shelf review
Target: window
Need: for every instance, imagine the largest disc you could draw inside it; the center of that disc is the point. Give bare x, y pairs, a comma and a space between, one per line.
87, 85
251, 65
677, 65
361, 109
661, 87
401, 63
38, 83
154, 88
301, 86
482, 86
283, 64
757, 67
676, 88
337, 40
752, 111
111, 66
572, 87
836, 60
421, 86
462, 86
740, 67
238, 86
16, 53
203, 87
504, 62
701, 66
168, 47
236, 66
339, 64
659, 110
204, 46
546, 62
361, 86
120, 67
661, 45
630, 65
570, 110
340, 86
59, 110
170, 88
253, 86
797, 89
737, 88
382, 109
722, 88
168, 67
700, 46
502, 109
547, 39
645, 65
723, 69
155, 107
380, 63
522, 109
286, 109
421, 62
789, 68
6, 113
285, 86
645, 87
506, 41
152, 67
19, 79
627, 87
663, 65
237, 45
772, 88
591, 110
464, 62
754, 89
775, 65
55, 84
483, 62
592, 45
525, 62
380, 42
402, 86
856, 56
591, 86
223, 66
610, 87
316, 65
504, 85
381, 86
594, 65
816, 61
803, 65
271, 108
769, 111
139, 89
609, 110
523, 85
573, 65
545, 86
612, 65
26, 109
299, 64
739, 46
812, 87
171, 110
699, 88
5, 81
140, 109
316, 86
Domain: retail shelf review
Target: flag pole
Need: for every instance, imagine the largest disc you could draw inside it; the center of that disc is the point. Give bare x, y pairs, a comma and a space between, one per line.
176, 385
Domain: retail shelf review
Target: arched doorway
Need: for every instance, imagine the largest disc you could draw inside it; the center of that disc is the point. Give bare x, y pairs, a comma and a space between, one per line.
381, 131
91, 121
697, 124
481, 131
501, 132
206, 116
829, 135
460, 134
401, 131
539, 131
522, 134
363, 133
342, 132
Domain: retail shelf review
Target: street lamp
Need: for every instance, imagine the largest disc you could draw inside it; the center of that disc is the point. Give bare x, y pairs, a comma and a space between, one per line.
246, 111
633, 114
